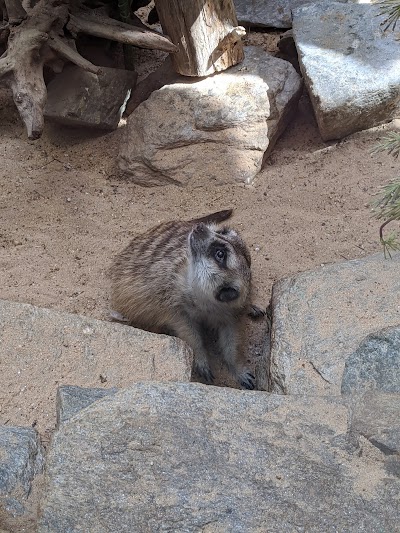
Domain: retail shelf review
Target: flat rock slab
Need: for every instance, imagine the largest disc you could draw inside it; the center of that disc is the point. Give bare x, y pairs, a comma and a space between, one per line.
213, 131
351, 67
271, 14
21, 460
189, 457
321, 317
41, 349
79, 98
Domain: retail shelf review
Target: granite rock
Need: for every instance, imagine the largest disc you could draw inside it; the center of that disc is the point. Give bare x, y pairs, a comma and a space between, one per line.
21, 461
375, 416
320, 318
76, 97
375, 365
350, 65
71, 399
215, 130
52, 348
271, 14
189, 457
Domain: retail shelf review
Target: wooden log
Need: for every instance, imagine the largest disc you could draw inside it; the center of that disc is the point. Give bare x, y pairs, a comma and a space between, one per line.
206, 33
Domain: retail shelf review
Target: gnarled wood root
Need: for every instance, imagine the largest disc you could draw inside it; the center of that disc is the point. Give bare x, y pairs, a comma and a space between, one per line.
37, 37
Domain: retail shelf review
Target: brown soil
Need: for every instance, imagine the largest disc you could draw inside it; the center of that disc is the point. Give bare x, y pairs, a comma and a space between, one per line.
64, 213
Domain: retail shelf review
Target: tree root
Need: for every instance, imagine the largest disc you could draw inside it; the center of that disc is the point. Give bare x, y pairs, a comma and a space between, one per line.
37, 37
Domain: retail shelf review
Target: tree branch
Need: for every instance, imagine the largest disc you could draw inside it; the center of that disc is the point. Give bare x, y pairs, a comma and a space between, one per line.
115, 30
58, 45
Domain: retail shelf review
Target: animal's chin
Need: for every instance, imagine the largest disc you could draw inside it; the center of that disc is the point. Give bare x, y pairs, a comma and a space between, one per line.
227, 294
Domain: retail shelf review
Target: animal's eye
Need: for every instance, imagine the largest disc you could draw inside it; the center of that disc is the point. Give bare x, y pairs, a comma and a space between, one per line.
220, 255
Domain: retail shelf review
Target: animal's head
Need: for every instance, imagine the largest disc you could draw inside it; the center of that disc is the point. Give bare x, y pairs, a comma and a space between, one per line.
219, 265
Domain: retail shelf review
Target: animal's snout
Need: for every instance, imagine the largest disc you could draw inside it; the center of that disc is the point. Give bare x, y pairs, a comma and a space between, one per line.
227, 294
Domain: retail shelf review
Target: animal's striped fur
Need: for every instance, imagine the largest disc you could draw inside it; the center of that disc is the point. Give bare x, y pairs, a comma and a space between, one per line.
191, 279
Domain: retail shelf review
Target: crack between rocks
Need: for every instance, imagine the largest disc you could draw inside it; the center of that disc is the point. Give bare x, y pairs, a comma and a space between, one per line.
319, 373
386, 450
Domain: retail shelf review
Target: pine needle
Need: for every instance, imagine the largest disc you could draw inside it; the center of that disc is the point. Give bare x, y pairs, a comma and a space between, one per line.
390, 144
387, 204
391, 242
391, 9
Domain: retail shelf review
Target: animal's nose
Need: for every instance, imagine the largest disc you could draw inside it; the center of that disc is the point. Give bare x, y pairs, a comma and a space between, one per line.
227, 294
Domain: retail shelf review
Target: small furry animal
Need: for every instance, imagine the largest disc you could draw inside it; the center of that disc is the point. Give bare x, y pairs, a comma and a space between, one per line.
190, 279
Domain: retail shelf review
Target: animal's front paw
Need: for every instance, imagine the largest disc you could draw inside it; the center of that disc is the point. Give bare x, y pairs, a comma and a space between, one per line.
247, 380
255, 312
117, 317
204, 371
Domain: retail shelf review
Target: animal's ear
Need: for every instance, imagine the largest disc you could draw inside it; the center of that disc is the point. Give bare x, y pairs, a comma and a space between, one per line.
215, 218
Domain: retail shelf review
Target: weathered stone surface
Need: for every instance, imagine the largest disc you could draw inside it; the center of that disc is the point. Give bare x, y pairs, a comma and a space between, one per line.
163, 75
71, 399
351, 67
78, 98
375, 365
271, 14
320, 318
376, 416
52, 348
21, 459
215, 130
189, 457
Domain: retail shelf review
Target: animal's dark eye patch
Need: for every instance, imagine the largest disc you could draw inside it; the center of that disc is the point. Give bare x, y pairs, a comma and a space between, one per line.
219, 252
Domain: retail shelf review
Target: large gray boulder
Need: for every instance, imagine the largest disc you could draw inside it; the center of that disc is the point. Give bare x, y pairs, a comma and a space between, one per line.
375, 365
320, 318
21, 461
271, 14
375, 416
189, 457
52, 348
351, 66
215, 130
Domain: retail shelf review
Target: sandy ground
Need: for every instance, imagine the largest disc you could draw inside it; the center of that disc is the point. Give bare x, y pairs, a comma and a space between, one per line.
64, 213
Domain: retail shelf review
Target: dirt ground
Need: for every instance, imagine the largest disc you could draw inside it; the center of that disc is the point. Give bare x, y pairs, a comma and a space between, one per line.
64, 213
